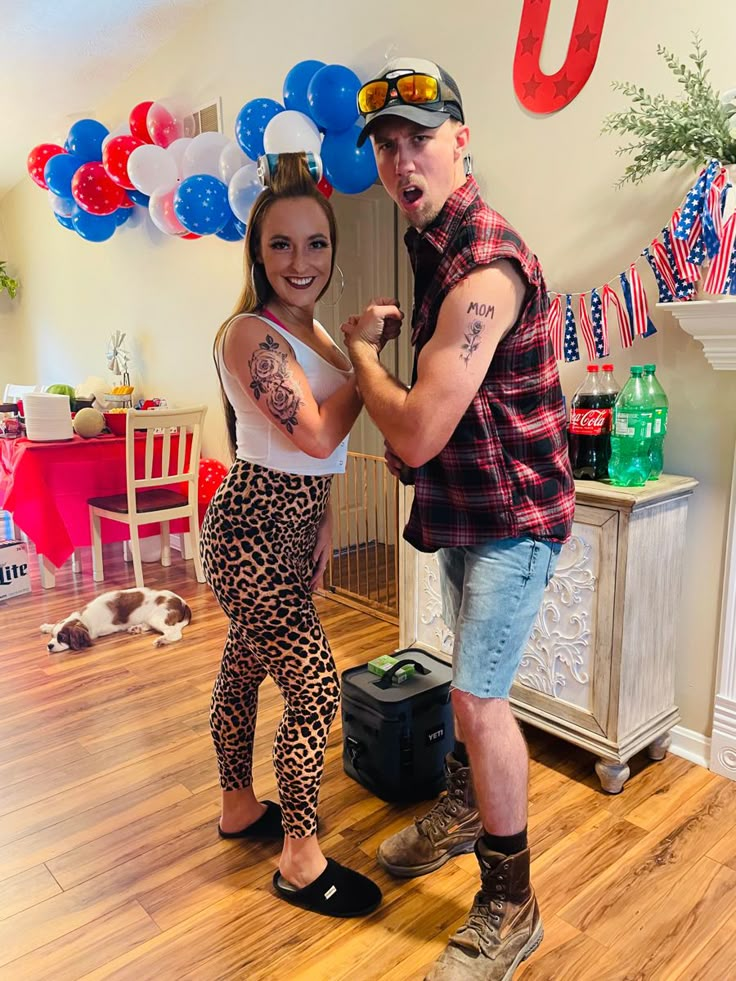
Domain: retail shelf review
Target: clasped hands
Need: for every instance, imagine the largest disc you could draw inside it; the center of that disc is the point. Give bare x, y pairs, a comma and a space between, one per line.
379, 323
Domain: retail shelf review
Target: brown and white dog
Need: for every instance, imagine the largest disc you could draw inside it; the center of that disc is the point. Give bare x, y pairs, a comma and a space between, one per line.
134, 611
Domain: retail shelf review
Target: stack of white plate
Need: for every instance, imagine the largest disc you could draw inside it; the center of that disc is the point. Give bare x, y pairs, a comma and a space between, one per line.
47, 416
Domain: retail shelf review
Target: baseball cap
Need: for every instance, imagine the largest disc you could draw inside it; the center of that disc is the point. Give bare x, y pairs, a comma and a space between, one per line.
411, 88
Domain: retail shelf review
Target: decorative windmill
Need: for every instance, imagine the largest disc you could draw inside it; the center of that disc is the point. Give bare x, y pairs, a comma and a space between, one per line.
118, 357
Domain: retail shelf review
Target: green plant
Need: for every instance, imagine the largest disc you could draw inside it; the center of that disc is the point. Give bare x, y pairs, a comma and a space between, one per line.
7, 282
675, 132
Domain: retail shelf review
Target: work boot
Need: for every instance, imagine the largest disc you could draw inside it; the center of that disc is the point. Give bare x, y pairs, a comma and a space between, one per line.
450, 828
503, 927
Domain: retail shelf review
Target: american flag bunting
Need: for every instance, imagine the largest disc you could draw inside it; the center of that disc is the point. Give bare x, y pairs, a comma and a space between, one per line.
610, 296
586, 328
713, 211
687, 271
555, 327
718, 274
684, 289
600, 326
662, 262
572, 351
696, 234
665, 293
636, 305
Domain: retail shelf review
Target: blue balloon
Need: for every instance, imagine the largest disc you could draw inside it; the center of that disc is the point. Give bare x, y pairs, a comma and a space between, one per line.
296, 84
122, 215
64, 221
349, 168
201, 204
94, 228
85, 139
139, 197
59, 171
232, 231
251, 123
332, 94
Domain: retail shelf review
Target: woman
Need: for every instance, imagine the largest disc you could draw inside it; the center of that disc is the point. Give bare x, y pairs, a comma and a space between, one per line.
290, 400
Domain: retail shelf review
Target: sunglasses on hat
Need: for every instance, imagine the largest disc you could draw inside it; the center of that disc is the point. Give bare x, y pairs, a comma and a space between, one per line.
413, 89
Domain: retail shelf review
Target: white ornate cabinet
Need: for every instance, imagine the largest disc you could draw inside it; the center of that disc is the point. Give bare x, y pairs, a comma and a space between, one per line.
598, 669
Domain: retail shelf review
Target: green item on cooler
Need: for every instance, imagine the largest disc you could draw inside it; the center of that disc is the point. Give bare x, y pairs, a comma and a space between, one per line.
380, 665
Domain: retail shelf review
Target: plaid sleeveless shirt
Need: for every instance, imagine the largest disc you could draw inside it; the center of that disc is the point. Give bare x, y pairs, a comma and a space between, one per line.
505, 471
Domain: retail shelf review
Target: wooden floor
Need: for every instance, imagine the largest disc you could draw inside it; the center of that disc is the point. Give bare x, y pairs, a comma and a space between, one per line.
110, 865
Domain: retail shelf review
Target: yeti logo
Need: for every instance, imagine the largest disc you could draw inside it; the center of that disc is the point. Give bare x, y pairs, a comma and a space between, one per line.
434, 736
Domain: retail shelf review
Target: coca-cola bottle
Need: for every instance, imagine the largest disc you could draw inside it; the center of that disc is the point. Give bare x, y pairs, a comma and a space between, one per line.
608, 382
590, 428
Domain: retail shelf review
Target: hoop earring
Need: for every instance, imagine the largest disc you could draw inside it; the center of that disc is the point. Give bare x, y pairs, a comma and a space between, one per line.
342, 289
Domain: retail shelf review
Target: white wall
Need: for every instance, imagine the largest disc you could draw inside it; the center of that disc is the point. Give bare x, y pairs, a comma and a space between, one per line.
552, 176
13, 362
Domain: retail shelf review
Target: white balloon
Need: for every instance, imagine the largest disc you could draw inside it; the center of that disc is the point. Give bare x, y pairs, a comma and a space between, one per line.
122, 130
177, 149
62, 206
291, 131
202, 156
232, 159
161, 209
151, 168
243, 190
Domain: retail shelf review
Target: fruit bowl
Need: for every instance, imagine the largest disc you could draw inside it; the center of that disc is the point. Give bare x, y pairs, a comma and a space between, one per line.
115, 401
116, 422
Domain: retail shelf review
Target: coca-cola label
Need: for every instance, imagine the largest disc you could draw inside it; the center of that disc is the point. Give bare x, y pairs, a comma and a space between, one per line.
590, 422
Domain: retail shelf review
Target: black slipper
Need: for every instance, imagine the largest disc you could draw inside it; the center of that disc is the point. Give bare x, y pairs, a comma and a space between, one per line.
339, 891
268, 827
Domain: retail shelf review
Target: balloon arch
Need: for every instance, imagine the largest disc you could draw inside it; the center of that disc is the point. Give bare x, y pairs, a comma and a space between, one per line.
196, 185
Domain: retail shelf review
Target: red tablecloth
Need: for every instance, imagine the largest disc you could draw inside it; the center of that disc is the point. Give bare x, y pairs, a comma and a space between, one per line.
46, 487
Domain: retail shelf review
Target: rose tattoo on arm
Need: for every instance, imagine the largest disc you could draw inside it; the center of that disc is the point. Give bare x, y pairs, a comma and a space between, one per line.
473, 333
475, 328
271, 378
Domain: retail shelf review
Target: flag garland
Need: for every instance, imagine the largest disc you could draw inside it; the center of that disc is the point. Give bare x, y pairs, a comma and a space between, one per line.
696, 244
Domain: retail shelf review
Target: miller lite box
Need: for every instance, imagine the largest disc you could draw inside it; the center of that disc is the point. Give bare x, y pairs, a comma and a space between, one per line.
396, 737
15, 577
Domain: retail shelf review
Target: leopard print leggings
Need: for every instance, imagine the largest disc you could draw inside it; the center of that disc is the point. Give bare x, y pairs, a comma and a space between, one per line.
258, 537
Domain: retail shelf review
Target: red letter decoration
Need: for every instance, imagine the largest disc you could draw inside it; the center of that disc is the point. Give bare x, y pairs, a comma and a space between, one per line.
542, 93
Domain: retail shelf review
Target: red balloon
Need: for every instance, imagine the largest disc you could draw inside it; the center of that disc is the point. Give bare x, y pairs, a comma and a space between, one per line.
127, 202
325, 187
190, 236
93, 190
115, 155
137, 122
211, 475
37, 159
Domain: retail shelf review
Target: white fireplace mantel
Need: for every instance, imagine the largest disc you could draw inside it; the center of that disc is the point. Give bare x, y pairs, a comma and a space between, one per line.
713, 323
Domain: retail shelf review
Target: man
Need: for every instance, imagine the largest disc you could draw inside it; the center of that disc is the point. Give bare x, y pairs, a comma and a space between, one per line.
482, 429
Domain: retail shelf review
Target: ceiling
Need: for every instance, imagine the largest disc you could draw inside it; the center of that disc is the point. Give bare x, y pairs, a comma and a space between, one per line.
58, 61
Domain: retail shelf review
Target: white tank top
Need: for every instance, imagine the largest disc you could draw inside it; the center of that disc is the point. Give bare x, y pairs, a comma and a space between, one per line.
263, 441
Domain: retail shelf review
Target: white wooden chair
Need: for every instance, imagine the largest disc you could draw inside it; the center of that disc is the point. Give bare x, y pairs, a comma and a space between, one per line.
14, 392
150, 499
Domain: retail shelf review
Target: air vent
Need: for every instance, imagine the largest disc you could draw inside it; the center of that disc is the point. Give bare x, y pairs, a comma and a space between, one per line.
208, 119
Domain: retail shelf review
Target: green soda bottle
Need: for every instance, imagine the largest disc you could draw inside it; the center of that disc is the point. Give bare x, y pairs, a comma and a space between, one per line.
631, 435
660, 407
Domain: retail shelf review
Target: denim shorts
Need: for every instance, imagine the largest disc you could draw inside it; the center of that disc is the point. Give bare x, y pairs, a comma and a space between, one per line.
491, 594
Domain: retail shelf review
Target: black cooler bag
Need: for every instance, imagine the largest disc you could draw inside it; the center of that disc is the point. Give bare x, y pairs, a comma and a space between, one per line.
395, 737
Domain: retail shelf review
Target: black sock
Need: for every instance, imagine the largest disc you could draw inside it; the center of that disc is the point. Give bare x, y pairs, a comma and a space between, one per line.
506, 844
460, 753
